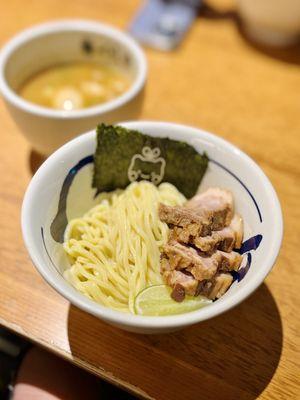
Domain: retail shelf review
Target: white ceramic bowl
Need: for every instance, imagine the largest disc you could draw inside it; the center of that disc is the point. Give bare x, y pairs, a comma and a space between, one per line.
63, 41
63, 183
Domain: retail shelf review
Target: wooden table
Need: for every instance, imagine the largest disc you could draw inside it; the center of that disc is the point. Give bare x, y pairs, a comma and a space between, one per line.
219, 81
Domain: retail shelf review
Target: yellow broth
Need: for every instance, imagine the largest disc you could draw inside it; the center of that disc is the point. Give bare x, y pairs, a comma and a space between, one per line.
75, 85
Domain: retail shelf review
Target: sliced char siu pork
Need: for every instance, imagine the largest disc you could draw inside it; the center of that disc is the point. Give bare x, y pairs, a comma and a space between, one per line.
204, 213
187, 281
215, 202
182, 281
216, 287
185, 257
226, 239
199, 255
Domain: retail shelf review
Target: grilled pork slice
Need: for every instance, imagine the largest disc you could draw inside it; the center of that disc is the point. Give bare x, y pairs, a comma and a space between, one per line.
190, 281
200, 265
187, 281
217, 286
228, 261
211, 210
226, 239
211, 264
222, 240
191, 222
218, 202
212, 289
178, 293
237, 225
184, 257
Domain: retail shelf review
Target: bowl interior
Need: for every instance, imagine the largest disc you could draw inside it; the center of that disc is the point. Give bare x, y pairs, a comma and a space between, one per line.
48, 47
63, 186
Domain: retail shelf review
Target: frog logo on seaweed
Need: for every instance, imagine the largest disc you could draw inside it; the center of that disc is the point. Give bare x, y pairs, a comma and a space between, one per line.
148, 165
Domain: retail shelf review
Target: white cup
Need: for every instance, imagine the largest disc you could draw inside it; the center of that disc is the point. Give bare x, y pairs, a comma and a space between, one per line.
271, 22
63, 41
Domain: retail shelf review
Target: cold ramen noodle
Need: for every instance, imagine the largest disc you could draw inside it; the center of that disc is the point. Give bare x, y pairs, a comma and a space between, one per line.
146, 249
115, 247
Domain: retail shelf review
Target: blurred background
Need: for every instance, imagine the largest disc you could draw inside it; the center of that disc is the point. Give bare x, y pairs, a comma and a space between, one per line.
217, 78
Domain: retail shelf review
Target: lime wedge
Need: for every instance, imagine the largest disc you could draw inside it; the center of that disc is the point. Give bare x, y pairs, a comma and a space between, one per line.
156, 300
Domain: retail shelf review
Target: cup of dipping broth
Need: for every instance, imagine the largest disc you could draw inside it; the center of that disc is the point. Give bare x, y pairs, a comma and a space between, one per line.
62, 78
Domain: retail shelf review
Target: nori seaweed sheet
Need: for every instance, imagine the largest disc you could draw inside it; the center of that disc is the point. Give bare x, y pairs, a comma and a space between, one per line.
116, 146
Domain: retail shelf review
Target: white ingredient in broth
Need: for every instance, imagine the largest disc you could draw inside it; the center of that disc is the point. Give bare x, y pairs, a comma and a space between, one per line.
114, 249
75, 85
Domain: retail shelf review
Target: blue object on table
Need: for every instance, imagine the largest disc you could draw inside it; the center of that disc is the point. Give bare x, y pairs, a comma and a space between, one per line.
162, 24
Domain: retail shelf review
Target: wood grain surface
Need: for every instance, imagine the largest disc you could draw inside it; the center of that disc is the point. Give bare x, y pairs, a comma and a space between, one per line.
219, 81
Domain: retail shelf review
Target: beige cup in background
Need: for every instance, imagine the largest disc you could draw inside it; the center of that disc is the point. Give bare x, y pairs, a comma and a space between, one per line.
271, 22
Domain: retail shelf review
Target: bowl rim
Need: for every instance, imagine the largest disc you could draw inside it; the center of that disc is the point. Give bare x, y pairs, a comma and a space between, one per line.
67, 25
151, 322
